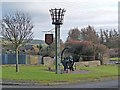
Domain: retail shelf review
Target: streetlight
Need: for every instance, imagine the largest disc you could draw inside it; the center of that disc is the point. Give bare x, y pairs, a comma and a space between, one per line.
57, 16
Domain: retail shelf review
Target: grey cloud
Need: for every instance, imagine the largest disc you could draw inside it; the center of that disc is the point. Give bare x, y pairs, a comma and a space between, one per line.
79, 14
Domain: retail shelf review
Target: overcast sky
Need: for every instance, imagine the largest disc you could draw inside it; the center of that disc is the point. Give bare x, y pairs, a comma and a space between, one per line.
79, 13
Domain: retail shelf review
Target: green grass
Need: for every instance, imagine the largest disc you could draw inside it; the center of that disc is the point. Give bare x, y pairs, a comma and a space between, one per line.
116, 58
39, 74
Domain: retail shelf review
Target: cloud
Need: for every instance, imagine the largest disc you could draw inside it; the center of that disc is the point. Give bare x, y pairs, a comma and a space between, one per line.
79, 13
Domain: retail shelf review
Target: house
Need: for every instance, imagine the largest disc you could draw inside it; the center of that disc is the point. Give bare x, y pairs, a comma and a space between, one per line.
113, 52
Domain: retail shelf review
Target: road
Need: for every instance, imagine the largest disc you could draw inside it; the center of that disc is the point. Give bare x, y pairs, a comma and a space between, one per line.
96, 84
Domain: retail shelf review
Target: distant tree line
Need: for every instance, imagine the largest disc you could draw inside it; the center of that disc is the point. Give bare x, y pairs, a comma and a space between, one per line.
110, 38
88, 42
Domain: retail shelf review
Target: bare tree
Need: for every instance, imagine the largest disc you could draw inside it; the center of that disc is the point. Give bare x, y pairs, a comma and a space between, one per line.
17, 28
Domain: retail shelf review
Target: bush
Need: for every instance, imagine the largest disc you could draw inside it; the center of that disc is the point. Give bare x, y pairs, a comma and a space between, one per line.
86, 49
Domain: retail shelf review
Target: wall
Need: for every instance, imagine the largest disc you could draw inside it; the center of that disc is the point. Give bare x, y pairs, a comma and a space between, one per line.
48, 61
88, 63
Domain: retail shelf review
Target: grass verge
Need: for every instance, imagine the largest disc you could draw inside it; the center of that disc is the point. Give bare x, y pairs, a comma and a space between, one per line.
117, 58
39, 74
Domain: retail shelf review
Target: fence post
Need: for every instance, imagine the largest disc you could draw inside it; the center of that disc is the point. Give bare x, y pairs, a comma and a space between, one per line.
6, 58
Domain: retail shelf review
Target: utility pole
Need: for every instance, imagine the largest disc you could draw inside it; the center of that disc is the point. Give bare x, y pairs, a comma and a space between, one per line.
57, 19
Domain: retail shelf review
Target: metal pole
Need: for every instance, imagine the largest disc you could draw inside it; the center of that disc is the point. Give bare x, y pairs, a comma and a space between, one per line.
57, 47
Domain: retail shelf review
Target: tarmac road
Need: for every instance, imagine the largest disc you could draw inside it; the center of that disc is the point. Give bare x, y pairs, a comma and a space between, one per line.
96, 84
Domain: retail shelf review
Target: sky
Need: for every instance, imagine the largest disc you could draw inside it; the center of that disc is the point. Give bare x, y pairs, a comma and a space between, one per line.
79, 13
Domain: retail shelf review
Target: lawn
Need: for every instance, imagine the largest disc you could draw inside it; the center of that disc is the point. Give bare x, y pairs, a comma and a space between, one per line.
116, 58
41, 75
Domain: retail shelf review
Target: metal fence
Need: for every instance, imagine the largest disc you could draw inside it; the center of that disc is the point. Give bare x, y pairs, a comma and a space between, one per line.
22, 59
11, 58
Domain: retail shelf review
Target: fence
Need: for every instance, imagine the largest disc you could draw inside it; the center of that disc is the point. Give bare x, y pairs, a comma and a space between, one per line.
22, 59
11, 59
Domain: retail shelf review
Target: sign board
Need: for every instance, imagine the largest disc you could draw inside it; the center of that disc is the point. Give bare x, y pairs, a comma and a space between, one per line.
48, 38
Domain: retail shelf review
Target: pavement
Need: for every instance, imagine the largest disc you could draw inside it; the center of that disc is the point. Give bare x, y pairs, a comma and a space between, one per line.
107, 83
23, 83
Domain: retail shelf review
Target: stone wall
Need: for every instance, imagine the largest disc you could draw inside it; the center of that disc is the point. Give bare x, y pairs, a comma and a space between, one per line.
106, 59
32, 59
88, 63
48, 61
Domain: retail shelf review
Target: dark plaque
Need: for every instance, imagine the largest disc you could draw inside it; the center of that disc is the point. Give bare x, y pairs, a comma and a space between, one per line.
48, 38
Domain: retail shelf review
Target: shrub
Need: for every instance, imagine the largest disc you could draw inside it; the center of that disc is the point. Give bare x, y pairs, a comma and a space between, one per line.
86, 49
